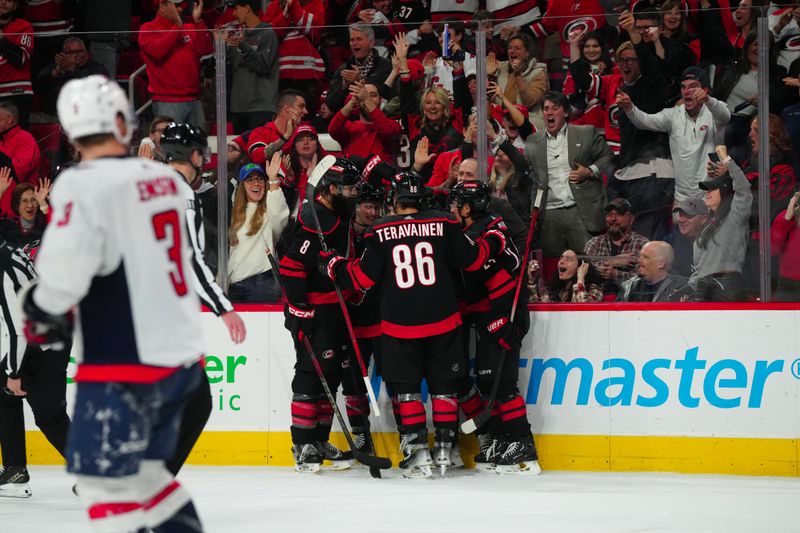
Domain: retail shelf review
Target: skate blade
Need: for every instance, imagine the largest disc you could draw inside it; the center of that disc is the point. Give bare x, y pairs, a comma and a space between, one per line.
307, 468
335, 466
486, 467
418, 472
15, 490
527, 468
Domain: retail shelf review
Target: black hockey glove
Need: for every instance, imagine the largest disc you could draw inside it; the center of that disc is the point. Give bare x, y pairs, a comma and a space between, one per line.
504, 333
41, 328
326, 264
298, 319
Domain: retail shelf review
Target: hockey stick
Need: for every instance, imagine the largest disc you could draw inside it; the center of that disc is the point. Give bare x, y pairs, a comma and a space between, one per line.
470, 425
372, 461
316, 174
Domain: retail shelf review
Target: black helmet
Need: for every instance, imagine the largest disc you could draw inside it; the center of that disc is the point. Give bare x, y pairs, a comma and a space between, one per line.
180, 139
342, 172
407, 186
476, 194
369, 193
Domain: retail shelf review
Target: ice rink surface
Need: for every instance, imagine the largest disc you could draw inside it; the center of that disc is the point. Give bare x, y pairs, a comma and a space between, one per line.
278, 500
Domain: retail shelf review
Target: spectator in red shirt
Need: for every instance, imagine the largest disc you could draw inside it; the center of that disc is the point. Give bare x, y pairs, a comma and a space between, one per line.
21, 147
786, 244
16, 48
272, 136
369, 132
172, 50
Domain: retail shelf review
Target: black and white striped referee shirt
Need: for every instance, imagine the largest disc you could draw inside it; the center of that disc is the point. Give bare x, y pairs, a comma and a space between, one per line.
17, 271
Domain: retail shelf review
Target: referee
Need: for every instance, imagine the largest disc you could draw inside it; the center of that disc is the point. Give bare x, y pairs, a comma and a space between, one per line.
28, 372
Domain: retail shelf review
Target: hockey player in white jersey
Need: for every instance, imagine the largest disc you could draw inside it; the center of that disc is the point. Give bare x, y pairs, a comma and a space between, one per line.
117, 255
185, 149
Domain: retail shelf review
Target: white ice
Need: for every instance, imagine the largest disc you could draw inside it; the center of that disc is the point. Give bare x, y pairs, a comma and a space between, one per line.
268, 499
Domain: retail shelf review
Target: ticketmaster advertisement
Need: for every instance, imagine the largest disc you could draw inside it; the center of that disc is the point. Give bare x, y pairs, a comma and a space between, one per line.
656, 383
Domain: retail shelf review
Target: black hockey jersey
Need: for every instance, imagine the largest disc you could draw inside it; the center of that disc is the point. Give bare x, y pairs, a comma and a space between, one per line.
411, 259
298, 267
491, 288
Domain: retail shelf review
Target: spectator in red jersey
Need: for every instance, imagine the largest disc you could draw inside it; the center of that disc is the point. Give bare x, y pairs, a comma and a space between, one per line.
786, 244
716, 36
20, 146
361, 127
272, 136
51, 21
305, 151
365, 65
587, 108
172, 49
30, 208
298, 24
16, 47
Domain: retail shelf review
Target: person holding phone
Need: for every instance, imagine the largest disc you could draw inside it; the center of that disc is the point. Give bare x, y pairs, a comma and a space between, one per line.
719, 250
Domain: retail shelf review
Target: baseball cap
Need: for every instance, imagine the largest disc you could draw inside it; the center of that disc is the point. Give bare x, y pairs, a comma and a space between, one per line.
691, 207
696, 73
621, 205
248, 169
305, 129
720, 182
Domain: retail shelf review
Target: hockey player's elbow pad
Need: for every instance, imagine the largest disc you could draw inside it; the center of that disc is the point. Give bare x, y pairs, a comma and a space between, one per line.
42, 328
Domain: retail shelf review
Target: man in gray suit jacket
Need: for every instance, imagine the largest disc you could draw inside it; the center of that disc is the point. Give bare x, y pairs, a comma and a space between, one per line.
654, 282
567, 161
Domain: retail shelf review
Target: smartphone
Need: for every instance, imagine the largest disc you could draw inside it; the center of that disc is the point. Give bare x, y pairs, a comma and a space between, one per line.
713, 157
446, 41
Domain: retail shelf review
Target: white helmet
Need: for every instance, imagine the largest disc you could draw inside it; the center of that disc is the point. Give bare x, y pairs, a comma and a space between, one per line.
89, 106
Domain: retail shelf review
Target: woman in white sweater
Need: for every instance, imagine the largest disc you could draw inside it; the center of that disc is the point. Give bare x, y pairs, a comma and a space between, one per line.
259, 215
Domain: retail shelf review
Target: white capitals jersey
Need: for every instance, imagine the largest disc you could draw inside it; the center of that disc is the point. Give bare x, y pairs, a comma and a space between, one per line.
117, 248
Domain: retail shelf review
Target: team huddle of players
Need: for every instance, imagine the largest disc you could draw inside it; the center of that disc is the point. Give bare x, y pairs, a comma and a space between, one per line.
418, 280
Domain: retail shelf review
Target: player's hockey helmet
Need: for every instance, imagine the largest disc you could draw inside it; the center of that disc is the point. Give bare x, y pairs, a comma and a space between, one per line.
180, 139
342, 172
369, 193
476, 194
407, 186
90, 106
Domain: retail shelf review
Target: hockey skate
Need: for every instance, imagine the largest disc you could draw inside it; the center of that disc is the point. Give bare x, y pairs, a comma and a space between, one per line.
491, 449
519, 458
307, 458
416, 462
339, 460
14, 482
443, 450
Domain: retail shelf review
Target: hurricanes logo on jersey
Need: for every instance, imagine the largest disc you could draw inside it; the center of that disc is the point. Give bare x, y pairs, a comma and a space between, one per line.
584, 24
327, 354
613, 115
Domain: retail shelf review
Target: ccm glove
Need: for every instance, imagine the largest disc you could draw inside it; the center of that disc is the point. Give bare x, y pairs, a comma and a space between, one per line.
298, 319
41, 328
504, 333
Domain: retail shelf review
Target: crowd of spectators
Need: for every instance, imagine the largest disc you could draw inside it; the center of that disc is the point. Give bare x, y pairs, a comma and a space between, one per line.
636, 118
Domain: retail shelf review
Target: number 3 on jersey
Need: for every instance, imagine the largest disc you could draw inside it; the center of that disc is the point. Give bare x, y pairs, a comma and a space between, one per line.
160, 223
410, 267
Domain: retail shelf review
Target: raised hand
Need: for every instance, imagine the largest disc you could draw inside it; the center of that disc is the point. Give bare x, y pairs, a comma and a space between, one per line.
5, 179
624, 101
421, 155
583, 269
274, 166
491, 64
401, 46
197, 12
42, 191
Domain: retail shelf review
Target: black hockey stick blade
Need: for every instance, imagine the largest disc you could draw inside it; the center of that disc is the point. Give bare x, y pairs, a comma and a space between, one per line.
472, 424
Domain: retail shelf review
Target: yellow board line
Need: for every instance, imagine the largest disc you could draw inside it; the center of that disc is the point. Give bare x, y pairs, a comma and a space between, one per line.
690, 455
